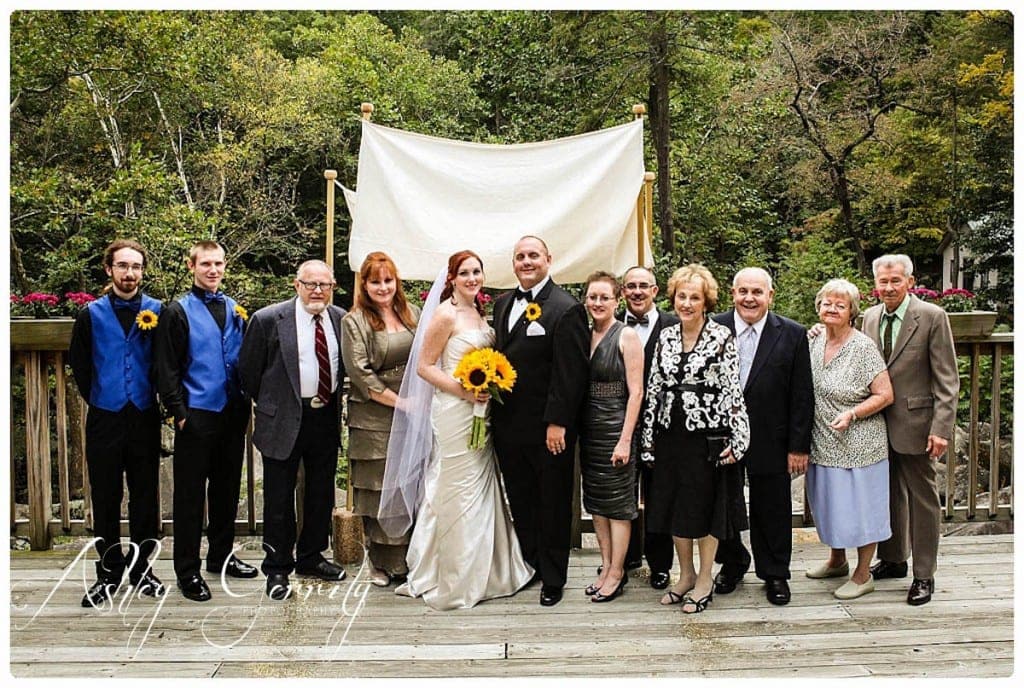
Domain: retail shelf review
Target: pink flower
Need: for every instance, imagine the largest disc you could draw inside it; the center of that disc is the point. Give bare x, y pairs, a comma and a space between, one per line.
424, 294
41, 298
15, 298
483, 298
958, 292
925, 293
79, 298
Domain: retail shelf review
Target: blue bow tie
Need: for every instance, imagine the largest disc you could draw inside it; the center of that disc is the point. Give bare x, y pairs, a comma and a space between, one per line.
132, 304
215, 296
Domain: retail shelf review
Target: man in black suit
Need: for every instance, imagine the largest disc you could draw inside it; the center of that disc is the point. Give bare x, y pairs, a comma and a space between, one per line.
544, 333
775, 372
290, 365
640, 287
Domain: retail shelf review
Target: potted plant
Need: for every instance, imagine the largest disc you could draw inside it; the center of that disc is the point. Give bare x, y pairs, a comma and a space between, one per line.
40, 322
965, 321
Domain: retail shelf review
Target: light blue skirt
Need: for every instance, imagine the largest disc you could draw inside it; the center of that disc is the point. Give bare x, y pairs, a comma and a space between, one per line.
850, 505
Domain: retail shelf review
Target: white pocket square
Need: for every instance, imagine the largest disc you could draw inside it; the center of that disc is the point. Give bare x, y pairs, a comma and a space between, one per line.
535, 329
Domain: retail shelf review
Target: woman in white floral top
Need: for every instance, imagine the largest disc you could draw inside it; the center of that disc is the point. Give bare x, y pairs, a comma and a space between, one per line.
848, 475
695, 412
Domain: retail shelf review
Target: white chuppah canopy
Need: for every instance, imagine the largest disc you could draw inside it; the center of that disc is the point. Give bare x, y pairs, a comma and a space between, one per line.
421, 198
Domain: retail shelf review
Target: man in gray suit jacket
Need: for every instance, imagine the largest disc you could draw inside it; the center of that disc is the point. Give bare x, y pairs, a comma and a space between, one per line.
290, 364
916, 341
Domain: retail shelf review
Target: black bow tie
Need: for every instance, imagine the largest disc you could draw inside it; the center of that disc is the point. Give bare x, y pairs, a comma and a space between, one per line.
520, 294
217, 296
132, 304
633, 321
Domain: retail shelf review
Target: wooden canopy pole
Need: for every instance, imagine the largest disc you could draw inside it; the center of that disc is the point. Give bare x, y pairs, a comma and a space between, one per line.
330, 176
642, 211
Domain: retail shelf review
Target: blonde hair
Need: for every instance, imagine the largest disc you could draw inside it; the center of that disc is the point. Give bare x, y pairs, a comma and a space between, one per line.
689, 273
842, 288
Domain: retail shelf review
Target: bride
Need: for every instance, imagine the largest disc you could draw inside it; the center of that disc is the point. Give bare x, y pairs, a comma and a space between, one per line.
463, 548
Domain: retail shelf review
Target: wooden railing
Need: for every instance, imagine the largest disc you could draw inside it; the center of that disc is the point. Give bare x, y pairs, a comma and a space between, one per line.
38, 348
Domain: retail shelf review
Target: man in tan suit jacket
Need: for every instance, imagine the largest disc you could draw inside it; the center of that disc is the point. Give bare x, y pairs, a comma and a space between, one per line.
916, 341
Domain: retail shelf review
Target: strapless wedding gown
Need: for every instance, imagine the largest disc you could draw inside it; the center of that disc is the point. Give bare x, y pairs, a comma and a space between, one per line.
463, 548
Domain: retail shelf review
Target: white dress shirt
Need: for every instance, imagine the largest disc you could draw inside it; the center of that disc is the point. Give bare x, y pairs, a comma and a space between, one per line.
644, 329
519, 305
309, 369
747, 355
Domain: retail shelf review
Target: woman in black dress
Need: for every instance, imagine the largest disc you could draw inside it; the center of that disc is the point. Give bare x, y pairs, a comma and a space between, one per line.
695, 429
609, 417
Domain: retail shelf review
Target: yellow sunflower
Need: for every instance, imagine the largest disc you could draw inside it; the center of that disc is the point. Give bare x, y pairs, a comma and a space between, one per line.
146, 320
504, 373
533, 311
242, 313
472, 372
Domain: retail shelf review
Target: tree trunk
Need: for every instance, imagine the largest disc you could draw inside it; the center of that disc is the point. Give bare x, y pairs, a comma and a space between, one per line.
18, 268
841, 187
657, 106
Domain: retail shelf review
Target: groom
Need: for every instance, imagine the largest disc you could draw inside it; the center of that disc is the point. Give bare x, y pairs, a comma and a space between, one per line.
543, 331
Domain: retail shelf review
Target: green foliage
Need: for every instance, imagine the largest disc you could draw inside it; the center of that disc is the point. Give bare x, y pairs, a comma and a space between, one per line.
985, 370
811, 261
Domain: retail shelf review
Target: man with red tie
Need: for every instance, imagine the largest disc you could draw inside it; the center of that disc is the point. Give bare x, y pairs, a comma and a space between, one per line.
290, 365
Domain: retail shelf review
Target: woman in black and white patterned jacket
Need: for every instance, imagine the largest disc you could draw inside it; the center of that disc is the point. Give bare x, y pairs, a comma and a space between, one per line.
695, 429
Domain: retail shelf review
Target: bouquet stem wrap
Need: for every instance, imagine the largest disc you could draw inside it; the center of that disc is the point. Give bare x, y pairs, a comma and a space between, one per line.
478, 435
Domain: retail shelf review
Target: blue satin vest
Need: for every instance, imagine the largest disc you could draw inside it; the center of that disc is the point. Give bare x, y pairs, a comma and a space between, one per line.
121, 364
211, 377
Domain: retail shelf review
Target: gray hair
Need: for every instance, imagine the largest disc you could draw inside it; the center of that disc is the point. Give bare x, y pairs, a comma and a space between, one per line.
314, 263
639, 267
890, 259
760, 272
840, 287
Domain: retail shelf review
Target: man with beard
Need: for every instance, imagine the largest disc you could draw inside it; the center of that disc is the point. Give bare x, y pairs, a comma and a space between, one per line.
111, 356
640, 288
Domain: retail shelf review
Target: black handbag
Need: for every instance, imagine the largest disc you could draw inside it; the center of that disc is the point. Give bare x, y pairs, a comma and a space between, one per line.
716, 445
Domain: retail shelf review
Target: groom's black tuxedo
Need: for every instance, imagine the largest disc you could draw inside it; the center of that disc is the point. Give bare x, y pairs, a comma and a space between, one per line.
553, 369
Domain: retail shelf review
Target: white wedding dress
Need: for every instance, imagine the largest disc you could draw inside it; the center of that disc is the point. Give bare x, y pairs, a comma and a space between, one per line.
463, 548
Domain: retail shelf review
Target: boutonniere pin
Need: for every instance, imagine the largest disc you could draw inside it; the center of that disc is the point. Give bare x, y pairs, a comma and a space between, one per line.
533, 311
241, 312
146, 320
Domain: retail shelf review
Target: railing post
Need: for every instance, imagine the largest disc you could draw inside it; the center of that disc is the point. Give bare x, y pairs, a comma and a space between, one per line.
972, 465
63, 472
37, 447
993, 455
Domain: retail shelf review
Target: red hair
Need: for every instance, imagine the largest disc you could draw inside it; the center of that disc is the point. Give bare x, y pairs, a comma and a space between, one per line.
454, 262
376, 265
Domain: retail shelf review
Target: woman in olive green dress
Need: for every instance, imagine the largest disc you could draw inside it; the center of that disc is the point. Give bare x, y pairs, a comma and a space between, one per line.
378, 334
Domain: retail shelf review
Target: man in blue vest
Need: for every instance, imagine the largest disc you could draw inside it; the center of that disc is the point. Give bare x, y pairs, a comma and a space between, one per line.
111, 358
197, 347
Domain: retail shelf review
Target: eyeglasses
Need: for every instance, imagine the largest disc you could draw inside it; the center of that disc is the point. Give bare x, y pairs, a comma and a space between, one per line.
641, 286
125, 267
313, 286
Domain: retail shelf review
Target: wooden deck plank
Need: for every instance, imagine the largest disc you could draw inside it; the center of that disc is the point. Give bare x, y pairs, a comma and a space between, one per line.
967, 630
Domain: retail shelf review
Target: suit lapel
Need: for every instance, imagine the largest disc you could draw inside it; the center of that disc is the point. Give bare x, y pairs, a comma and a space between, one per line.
288, 338
765, 344
501, 309
539, 299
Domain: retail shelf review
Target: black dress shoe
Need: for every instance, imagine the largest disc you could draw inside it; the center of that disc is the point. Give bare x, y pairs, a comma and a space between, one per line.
550, 595
921, 591
101, 592
660, 579
236, 568
889, 569
325, 570
727, 579
278, 587
148, 584
194, 588
777, 590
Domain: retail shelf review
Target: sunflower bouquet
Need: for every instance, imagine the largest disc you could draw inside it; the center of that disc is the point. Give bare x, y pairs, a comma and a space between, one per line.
484, 370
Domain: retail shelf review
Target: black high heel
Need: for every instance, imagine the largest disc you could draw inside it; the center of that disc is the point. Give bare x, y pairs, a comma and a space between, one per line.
598, 597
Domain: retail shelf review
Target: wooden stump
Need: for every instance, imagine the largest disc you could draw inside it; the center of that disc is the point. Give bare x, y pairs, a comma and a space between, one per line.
347, 529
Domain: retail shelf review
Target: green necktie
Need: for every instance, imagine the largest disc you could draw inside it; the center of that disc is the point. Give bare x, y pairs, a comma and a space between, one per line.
887, 336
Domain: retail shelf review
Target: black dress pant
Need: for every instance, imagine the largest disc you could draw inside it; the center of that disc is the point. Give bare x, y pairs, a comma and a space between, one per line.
208, 454
771, 529
656, 547
317, 448
539, 486
123, 445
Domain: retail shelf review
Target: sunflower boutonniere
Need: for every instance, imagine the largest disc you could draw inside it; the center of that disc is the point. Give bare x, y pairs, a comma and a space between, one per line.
146, 320
241, 312
533, 311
